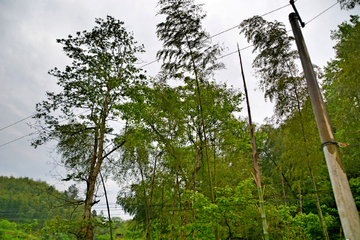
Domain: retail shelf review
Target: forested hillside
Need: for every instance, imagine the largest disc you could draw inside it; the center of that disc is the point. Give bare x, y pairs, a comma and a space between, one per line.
22, 200
26, 205
32, 209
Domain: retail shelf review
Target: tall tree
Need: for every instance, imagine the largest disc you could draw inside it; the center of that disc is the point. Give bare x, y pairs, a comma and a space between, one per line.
97, 82
187, 49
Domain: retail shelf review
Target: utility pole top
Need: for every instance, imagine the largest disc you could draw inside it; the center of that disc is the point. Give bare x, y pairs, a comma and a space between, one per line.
292, 2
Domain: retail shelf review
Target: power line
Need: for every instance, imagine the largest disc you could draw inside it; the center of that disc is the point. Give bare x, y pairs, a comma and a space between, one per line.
27, 135
16, 210
16, 122
234, 52
277, 9
322, 12
148, 63
239, 24
226, 55
145, 66
227, 30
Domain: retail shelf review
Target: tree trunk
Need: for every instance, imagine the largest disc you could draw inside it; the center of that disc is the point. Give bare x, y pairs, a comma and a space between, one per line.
282, 183
87, 230
277, 207
96, 162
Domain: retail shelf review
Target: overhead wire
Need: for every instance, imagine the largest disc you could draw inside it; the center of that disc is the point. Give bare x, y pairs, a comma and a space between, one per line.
32, 133
217, 34
227, 30
228, 54
27, 135
321, 13
170, 205
149, 63
277, 9
288, 31
16, 122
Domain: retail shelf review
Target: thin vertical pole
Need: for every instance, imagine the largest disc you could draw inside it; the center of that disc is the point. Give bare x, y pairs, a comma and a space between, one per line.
107, 204
151, 195
256, 165
162, 210
349, 215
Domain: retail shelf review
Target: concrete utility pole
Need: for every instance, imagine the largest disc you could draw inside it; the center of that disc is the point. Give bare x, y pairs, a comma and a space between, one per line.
349, 215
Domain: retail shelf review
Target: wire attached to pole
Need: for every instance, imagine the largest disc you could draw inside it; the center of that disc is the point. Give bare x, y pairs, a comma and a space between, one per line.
292, 2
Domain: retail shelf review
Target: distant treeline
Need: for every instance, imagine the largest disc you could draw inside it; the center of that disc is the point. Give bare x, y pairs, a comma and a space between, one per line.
22, 200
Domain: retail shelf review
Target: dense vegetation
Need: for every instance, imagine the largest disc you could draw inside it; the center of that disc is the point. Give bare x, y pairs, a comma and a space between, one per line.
183, 161
23, 199
35, 210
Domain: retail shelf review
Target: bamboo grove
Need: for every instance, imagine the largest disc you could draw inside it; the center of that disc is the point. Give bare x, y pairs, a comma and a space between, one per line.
183, 159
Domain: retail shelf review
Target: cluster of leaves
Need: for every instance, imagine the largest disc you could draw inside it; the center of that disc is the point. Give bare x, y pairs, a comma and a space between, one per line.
348, 4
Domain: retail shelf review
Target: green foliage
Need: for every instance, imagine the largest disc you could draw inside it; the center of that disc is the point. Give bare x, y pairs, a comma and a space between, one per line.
355, 187
23, 199
275, 64
100, 79
176, 137
6, 225
13, 231
58, 226
348, 4
342, 92
181, 126
201, 184
186, 46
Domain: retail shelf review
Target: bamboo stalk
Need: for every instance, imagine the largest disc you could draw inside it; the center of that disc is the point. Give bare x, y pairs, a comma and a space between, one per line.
256, 165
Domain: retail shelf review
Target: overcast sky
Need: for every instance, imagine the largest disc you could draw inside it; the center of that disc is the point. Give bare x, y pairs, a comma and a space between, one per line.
28, 49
